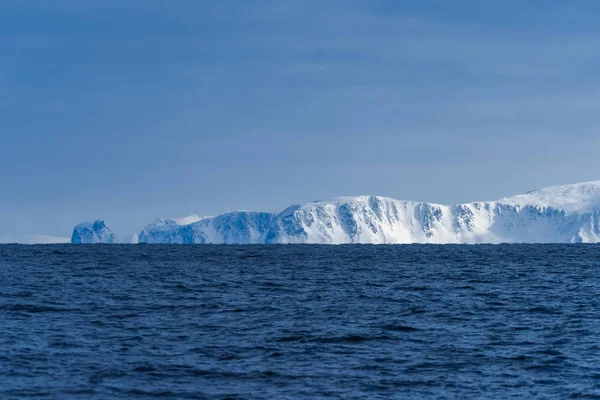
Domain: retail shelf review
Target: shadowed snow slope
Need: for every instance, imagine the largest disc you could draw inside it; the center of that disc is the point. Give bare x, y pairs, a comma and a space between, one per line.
238, 227
560, 214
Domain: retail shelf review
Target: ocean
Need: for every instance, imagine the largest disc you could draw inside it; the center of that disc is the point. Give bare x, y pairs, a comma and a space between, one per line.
299, 322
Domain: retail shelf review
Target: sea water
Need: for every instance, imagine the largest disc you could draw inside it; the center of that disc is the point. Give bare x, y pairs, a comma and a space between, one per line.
299, 321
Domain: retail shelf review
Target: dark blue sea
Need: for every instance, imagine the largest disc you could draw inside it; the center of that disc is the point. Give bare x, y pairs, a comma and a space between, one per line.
299, 322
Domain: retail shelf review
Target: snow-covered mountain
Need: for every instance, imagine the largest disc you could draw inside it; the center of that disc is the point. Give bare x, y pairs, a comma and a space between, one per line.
371, 219
92, 233
560, 214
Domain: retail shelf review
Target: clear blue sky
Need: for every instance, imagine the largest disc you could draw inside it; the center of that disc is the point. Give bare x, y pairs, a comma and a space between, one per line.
134, 110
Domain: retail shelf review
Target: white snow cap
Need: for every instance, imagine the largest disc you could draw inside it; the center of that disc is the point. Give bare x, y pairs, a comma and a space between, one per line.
580, 197
190, 219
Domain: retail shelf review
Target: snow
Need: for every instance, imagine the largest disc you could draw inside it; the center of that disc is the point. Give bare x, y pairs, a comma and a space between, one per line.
553, 215
559, 214
240, 227
189, 219
580, 198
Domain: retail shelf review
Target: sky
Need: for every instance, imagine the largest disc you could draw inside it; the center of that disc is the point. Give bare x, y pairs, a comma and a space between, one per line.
135, 110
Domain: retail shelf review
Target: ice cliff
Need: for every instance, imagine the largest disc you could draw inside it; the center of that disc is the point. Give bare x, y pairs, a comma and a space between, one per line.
231, 228
560, 214
92, 233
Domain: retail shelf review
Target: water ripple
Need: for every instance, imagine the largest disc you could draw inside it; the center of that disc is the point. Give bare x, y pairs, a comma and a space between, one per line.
273, 322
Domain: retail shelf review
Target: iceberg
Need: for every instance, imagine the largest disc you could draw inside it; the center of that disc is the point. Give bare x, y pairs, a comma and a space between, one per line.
92, 233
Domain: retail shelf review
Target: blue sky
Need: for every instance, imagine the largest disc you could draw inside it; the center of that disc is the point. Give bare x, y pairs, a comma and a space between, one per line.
135, 110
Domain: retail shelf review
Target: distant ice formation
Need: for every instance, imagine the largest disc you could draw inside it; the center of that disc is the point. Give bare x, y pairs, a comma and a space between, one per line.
92, 233
34, 239
559, 214
133, 239
166, 230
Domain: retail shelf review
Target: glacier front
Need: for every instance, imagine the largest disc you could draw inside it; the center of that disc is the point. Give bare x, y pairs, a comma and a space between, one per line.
559, 214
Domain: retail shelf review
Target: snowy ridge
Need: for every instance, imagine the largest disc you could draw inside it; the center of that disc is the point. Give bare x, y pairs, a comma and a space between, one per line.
559, 214
581, 197
189, 219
